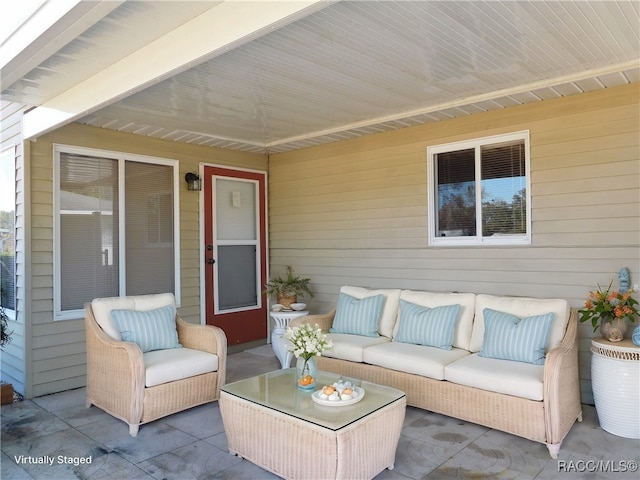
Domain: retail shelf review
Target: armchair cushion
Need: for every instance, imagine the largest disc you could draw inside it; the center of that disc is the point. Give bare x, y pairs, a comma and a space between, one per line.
164, 366
149, 329
102, 308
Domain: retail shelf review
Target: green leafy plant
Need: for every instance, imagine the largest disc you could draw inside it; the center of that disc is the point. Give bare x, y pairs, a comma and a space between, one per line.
605, 305
5, 333
289, 285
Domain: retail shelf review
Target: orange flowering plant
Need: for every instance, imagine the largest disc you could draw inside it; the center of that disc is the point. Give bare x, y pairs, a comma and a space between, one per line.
606, 305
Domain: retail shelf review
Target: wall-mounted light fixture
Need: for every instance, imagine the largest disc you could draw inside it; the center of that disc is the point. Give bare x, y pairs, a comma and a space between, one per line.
193, 181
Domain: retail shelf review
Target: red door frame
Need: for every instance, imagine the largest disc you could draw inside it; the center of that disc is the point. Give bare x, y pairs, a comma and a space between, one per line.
248, 325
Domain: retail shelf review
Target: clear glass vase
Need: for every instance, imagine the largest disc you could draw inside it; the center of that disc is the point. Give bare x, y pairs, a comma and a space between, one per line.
613, 330
306, 371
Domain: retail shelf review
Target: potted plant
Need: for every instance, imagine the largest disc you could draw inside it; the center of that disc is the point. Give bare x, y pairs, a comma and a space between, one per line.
609, 310
287, 288
6, 389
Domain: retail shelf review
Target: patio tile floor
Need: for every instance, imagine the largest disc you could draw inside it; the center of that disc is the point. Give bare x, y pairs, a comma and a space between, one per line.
192, 444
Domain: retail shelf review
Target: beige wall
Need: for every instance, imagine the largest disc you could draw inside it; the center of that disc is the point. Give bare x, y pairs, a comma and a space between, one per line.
58, 361
15, 354
355, 212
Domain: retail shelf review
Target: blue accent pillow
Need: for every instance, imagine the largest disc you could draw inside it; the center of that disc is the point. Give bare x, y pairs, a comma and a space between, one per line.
508, 337
420, 325
358, 316
149, 329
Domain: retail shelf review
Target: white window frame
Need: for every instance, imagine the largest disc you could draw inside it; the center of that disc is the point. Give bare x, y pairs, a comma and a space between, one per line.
477, 143
121, 157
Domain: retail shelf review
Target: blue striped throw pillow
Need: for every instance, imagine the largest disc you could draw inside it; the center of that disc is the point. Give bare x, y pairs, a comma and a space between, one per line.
357, 316
433, 327
508, 337
149, 329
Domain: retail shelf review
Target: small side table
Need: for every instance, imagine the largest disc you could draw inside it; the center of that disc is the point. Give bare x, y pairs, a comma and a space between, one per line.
615, 380
279, 344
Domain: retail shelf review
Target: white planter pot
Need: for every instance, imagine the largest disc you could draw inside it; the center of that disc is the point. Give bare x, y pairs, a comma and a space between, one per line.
615, 374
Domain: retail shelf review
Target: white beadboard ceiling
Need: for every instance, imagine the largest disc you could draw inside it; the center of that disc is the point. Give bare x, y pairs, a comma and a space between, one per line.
348, 68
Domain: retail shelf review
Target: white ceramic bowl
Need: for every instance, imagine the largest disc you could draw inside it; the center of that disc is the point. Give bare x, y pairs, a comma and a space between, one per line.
276, 307
298, 306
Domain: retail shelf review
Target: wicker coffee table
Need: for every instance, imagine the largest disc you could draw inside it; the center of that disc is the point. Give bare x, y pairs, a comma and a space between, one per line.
272, 423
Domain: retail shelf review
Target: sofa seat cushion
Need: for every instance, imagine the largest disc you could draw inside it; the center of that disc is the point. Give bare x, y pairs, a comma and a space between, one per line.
501, 376
163, 366
351, 347
417, 359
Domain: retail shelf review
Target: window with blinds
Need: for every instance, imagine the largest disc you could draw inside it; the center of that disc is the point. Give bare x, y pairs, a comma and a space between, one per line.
115, 227
7, 230
479, 191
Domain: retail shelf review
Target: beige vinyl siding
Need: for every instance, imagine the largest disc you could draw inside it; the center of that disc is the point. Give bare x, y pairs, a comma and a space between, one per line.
59, 355
15, 354
355, 212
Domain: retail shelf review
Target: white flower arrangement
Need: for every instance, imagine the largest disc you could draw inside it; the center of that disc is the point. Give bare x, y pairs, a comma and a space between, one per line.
307, 341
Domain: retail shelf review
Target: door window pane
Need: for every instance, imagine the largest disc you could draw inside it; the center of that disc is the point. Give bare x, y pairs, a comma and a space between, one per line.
237, 279
235, 209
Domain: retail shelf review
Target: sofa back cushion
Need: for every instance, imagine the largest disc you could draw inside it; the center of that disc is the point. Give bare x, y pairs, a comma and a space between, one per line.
467, 301
521, 307
102, 308
389, 314
433, 327
357, 316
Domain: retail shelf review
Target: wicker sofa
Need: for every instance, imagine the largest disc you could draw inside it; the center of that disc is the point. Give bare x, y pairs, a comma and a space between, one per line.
537, 402
139, 387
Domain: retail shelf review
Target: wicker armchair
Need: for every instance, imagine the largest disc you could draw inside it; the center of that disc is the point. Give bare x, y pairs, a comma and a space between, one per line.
117, 374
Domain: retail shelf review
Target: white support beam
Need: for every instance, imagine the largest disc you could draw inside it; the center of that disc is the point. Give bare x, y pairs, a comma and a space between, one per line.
45, 30
225, 26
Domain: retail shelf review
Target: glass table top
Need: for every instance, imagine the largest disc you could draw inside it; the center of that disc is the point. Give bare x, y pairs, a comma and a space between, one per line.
278, 391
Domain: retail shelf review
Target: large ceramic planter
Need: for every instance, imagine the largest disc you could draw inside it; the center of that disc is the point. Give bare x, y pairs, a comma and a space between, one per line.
615, 369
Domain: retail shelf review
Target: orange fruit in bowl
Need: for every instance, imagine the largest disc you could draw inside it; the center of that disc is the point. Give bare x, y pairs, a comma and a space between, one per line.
328, 390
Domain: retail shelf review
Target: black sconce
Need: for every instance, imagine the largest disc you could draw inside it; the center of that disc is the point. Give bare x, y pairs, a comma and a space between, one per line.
193, 181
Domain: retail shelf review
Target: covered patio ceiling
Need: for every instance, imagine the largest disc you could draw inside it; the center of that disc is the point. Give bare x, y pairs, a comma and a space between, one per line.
275, 76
